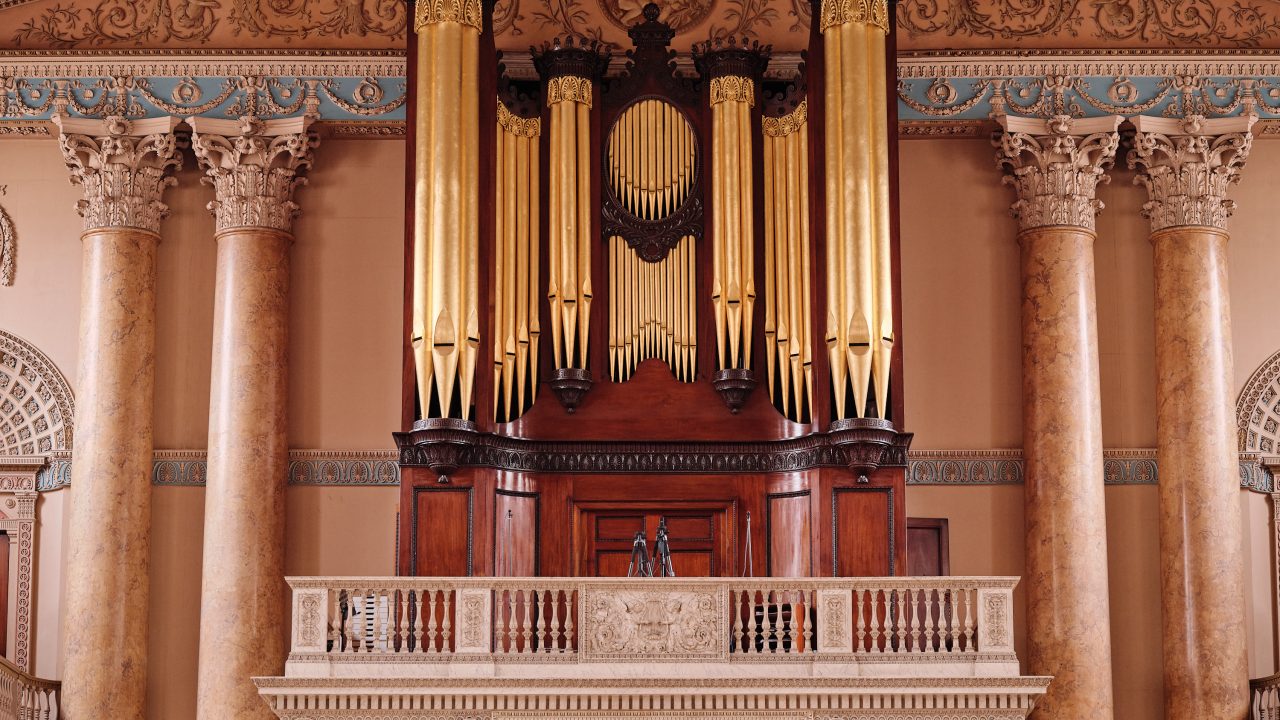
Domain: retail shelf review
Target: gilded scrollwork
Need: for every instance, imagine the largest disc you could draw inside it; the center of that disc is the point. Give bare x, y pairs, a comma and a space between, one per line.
516, 125
1167, 23
195, 22
430, 12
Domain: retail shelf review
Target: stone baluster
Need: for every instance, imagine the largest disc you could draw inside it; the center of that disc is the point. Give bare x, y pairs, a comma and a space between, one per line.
1186, 166
1055, 165
254, 167
123, 167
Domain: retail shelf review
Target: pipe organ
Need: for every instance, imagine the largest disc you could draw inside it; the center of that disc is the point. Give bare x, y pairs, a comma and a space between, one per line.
685, 230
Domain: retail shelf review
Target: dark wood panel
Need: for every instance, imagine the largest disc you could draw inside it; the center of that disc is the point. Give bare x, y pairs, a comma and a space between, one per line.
443, 520
928, 547
789, 532
700, 535
862, 518
516, 523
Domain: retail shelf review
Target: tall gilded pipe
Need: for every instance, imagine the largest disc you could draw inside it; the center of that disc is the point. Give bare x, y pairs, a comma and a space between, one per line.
445, 324
569, 70
859, 288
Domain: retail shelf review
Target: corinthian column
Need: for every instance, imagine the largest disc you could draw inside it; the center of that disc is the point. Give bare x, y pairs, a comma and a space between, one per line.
123, 167
1055, 166
1186, 166
254, 166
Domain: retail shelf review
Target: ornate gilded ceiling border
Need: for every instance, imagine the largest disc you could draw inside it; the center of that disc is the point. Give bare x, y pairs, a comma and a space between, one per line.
939, 88
379, 468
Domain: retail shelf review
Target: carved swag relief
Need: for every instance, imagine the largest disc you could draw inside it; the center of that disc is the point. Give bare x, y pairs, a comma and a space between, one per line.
653, 623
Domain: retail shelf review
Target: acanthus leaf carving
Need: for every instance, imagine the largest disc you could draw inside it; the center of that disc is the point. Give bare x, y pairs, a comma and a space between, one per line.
123, 166
1056, 166
254, 171
1187, 165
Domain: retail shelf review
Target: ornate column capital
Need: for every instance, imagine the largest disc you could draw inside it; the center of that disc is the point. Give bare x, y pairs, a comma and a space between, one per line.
570, 68
839, 12
254, 166
123, 167
1187, 164
1056, 166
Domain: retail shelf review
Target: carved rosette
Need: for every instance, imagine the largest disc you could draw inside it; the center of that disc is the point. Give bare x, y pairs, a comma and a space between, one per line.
254, 166
123, 167
1056, 166
1187, 165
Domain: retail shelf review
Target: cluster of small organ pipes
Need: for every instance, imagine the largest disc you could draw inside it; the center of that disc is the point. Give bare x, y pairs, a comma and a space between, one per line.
653, 310
733, 291
569, 201
788, 319
652, 166
516, 293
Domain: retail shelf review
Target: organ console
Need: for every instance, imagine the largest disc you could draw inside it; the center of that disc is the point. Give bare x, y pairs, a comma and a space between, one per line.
650, 298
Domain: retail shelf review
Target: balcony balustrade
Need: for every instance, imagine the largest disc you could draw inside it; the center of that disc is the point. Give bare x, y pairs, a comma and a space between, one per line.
604, 648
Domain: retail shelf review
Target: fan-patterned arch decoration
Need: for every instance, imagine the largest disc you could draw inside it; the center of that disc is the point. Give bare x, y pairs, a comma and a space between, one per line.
1258, 409
37, 408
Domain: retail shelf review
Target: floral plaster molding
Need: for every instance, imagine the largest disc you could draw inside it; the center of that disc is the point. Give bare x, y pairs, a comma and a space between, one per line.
8, 249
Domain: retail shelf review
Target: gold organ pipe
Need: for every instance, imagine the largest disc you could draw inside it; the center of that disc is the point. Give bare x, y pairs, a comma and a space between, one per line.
718, 227
800, 149
501, 191
860, 326
770, 310
424, 280
795, 296
524, 210
555, 281
882, 311
506, 331
585, 211
568, 228
535, 267
469, 114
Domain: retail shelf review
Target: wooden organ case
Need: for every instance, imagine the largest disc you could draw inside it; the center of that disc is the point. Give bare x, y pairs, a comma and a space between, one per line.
663, 320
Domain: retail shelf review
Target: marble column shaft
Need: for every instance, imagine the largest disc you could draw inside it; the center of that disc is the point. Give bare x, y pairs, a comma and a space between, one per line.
123, 167
1187, 165
1055, 167
254, 167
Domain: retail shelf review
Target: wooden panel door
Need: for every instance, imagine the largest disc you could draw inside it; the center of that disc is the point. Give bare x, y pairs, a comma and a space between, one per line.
862, 520
928, 551
698, 537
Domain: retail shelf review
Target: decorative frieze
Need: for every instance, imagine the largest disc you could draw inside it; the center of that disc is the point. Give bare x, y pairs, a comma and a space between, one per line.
123, 167
8, 249
254, 166
1187, 165
1056, 165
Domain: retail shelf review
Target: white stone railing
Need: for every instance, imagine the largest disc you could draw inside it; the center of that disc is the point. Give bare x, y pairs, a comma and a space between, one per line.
1265, 698
23, 697
949, 626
